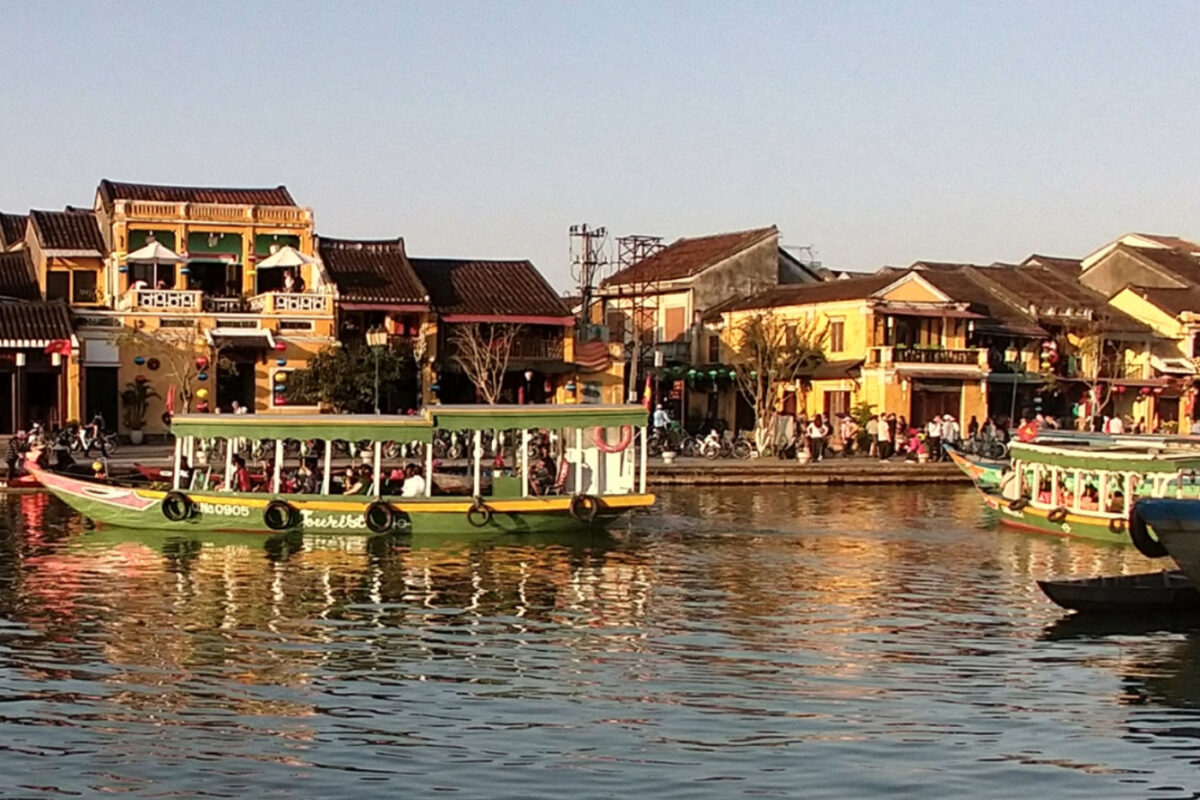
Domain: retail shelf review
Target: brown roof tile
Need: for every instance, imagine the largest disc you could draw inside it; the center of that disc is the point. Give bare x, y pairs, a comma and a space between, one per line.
1072, 265
34, 322
372, 271
114, 190
12, 229
1181, 264
1174, 301
488, 288
17, 277
1173, 242
67, 230
687, 257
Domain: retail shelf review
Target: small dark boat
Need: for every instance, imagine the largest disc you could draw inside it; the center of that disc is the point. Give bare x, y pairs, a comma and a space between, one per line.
1170, 591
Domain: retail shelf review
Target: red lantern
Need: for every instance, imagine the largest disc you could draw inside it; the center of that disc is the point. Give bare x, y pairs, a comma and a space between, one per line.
280, 346
1158, 390
141, 379
201, 362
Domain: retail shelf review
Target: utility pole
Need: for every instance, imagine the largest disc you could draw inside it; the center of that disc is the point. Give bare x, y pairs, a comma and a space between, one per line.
587, 260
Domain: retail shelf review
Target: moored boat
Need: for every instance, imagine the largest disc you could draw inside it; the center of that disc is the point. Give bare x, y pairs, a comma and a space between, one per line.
985, 472
1151, 591
599, 477
1087, 492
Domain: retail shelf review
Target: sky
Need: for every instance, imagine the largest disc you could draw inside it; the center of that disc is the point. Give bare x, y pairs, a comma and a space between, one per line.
876, 133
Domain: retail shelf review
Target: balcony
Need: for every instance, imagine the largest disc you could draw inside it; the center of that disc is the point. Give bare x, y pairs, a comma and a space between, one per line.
890, 356
287, 303
216, 212
537, 349
680, 351
224, 305
161, 300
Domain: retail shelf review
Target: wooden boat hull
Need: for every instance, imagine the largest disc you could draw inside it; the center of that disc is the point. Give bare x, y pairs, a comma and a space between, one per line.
1029, 518
137, 507
1154, 591
983, 471
22, 481
1176, 524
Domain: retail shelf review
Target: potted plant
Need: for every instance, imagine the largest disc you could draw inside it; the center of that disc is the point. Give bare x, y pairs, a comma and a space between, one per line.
135, 400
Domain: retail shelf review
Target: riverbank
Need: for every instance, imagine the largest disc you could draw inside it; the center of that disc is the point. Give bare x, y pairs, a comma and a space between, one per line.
773, 472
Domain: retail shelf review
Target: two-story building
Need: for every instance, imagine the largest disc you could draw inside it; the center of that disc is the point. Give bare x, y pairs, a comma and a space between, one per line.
227, 276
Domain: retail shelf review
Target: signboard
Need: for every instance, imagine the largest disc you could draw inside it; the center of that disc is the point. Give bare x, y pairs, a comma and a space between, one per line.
677, 390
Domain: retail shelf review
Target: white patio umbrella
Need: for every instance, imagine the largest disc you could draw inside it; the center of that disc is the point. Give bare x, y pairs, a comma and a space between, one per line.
154, 253
286, 256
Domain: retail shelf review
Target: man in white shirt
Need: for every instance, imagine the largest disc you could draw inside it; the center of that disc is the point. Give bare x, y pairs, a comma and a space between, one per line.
661, 418
414, 483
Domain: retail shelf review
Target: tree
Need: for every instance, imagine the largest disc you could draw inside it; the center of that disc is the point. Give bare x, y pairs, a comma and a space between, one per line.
483, 351
1098, 362
343, 376
768, 352
178, 349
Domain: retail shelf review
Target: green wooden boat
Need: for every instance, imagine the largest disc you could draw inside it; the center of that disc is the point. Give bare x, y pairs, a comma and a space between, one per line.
601, 476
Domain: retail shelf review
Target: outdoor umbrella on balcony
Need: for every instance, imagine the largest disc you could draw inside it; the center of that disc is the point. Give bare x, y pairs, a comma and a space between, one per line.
286, 256
154, 253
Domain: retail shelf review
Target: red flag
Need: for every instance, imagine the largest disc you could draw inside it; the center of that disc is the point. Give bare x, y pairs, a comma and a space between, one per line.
170, 402
648, 394
60, 346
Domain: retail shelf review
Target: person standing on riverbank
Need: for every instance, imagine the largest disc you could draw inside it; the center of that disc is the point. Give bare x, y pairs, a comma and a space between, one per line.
848, 430
873, 436
883, 437
933, 439
950, 433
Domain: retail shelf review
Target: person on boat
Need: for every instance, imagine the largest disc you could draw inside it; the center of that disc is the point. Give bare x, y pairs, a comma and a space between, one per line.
1116, 502
241, 475
98, 471
542, 472
414, 482
307, 481
358, 481
395, 481
16, 449
185, 473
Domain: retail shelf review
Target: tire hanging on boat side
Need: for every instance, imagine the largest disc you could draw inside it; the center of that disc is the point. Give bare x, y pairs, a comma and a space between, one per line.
479, 514
279, 515
380, 517
177, 506
584, 507
1139, 533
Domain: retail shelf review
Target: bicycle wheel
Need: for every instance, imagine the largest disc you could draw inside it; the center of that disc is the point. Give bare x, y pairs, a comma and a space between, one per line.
741, 449
689, 446
995, 450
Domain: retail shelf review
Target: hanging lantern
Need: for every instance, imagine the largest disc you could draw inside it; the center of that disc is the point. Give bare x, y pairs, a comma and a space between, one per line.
122, 269
201, 362
281, 362
141, 379
152, 364
691, 373
280, 400
202, 376
281, 377
279, 387
139, 360
280, 346
1158, 390
712, 373
201, 393
571, 387
202, 407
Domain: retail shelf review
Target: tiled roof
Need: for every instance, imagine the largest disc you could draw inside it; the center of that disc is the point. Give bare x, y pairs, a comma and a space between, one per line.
1174, 301
17, 277
67, 230
687, 257
976, 286
372, 271
1178, 263
12, 229
114, 190
824, 292
1073, 265
1173, 242
488, 288
33, 324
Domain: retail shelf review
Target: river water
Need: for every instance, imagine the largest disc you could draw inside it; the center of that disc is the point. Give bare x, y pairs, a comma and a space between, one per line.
849, 642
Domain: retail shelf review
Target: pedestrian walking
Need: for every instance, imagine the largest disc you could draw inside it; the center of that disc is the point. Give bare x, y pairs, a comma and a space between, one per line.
883, 438
933, 439
848, 428
950, 433
873, 436
817, 431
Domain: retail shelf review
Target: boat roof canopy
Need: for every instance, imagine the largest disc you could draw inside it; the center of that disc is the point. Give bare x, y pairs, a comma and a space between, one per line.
412, 428
1145, 460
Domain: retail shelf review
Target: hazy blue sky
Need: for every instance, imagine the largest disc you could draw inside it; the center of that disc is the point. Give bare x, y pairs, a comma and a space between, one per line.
878, 132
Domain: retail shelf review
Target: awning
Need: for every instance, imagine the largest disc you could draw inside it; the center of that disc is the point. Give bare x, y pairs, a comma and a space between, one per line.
1173, 366
592, 356
245, 338
154, 253
1010, 378
936, 371
286, 256
834, 370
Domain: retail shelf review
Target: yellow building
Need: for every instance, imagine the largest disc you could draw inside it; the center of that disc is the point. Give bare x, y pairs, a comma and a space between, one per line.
215, 292
892, 340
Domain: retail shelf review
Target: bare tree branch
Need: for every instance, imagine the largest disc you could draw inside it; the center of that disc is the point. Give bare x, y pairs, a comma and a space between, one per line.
483, 351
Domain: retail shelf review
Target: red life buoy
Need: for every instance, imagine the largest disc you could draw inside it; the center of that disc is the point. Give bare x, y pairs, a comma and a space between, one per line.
625, 440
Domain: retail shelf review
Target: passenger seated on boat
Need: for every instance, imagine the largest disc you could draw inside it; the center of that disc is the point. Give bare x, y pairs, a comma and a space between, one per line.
414, 482
358, 481
542, 472
395, 481
262, 482
1116, 503
185, 473
241, 475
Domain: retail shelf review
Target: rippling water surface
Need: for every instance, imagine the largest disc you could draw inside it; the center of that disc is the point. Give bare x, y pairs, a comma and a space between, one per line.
780, 642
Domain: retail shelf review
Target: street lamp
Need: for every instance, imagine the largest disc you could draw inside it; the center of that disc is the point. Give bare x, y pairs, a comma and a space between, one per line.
377, 340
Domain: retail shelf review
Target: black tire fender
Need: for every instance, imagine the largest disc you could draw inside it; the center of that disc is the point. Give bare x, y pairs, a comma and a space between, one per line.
583, 507
177, 506
479, 514
1057, 514
1018, 504
279, 515
380, 517
1139, 534
1117, 525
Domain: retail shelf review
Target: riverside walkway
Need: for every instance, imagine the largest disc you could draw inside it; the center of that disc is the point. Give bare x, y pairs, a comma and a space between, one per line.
773, 471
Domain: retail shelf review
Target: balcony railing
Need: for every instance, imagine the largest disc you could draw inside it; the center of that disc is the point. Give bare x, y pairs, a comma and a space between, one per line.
537, 349
291, 303
162, 299
224, 305
675, 351
886, 356
215, 212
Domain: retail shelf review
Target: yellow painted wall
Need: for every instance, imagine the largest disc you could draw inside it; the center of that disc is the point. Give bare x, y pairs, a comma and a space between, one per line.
858, 323
914, 291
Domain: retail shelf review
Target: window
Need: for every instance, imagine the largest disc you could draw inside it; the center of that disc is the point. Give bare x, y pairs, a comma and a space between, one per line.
58, 285
837, 335
84, 288
714, 348
673, 324
836, 403
616, 326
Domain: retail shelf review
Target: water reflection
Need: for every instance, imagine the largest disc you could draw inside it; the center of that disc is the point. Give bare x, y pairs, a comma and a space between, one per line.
853, 642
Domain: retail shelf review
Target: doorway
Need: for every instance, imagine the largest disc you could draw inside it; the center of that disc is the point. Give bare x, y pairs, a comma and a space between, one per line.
215, 278
235, 381
101, 393
934, 398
